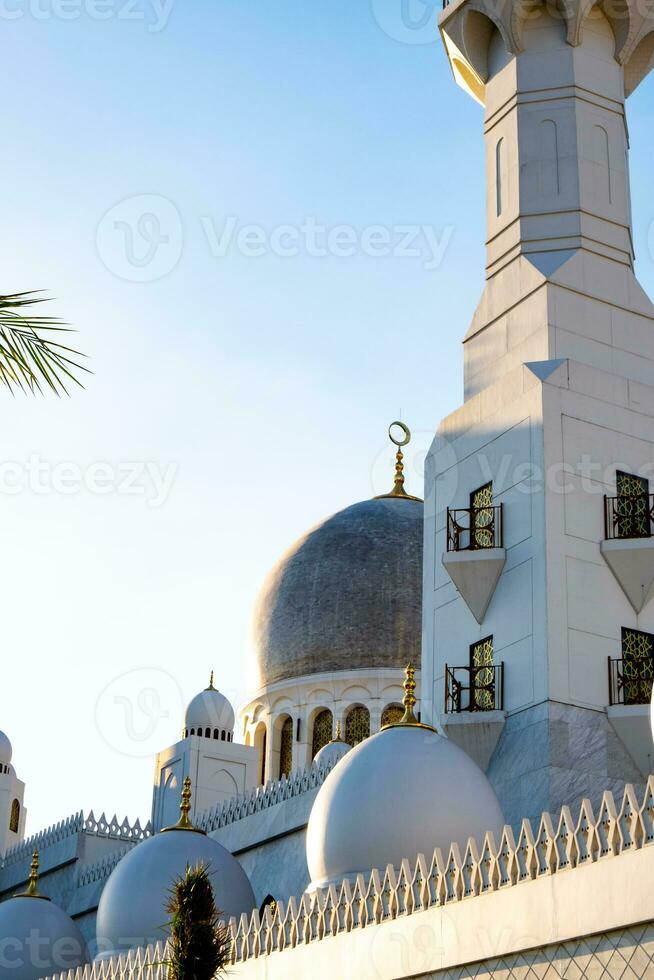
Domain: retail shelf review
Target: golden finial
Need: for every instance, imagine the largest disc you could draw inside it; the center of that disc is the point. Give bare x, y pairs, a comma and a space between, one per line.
409, 699
398, 484
185, 806
184, 822
211, 687
338, 737
32, 887
34, 875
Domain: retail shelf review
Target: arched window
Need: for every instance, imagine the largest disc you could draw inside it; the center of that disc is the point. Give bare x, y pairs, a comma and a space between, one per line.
357, 724
549, 157
268, 902
602, 161
499, 174
391, 714
322, 731
286, 749
14, 820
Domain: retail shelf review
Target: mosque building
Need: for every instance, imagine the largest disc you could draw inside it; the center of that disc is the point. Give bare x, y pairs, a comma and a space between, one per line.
443, 766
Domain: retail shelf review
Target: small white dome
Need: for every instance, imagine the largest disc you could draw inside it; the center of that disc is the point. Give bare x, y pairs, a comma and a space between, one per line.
60, 946
399, 793
5, 750
210, 714
331, 753
132, 909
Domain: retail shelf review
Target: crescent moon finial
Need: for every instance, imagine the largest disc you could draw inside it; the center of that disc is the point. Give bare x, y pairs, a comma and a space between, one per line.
399, 441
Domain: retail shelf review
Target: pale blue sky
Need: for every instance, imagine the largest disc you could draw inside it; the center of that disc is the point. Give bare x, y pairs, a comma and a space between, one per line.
265, 383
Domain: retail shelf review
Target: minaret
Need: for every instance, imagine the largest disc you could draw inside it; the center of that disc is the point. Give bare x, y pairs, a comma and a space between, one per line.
12, 792
538, 648
559, 265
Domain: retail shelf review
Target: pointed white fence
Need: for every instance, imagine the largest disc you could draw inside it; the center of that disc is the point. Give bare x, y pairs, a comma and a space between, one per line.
78, 823
557, 847
262, 797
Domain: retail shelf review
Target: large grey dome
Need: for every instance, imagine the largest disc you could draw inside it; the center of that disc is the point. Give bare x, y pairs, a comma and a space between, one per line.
347, 595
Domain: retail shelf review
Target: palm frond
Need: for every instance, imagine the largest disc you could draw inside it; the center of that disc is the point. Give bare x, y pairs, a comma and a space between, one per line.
200, 945
31, 358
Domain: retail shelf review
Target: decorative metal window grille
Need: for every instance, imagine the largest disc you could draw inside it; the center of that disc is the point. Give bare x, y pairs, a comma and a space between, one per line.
268, 903
473, 688
391, 714
632, 508
357, 725
482, 517
478, 526
322, 731
286, 749
14, 819
481, 664
631, 678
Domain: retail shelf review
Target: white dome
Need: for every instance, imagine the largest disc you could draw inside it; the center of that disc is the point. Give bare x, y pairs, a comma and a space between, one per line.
5, 750
399, 793
60, 946
210, 714
132, 906
332, 752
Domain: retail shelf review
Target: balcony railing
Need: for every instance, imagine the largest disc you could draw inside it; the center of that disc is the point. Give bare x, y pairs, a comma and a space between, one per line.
630, 681
629, 517
474, 688
474, 528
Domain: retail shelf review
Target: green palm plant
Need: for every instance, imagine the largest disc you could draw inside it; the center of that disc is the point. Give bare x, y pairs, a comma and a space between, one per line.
31, 358
199, 944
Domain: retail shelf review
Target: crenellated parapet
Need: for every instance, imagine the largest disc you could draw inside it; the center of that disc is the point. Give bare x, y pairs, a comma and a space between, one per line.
71, 827
262, 797
100, 870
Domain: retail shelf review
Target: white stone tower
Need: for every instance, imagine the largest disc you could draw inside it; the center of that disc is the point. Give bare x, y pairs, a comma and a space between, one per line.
219, 768
12, 792
538, 643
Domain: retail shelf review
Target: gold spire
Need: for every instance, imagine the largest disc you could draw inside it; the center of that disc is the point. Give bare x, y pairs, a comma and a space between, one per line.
338, 737
211, 687
408, 719
184, 822
398, 484
34, 875
409, 699
185, 806
32, 887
